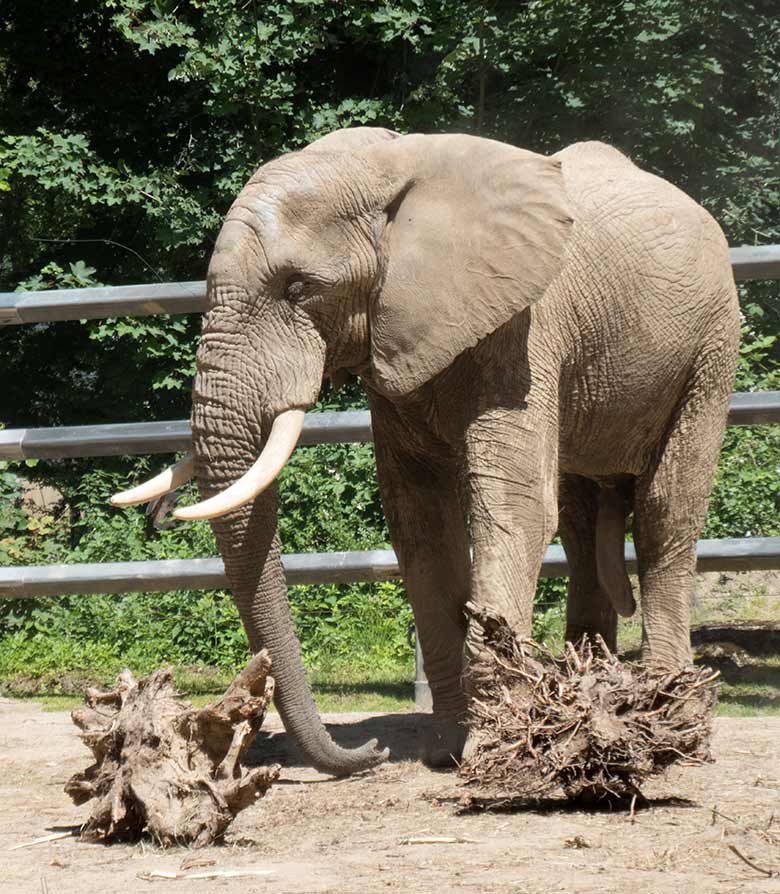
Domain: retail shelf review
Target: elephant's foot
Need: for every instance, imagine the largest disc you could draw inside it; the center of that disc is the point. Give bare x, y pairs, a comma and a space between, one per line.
443, 744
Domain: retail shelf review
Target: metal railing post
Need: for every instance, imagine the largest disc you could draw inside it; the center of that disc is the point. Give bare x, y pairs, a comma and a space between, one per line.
423, 700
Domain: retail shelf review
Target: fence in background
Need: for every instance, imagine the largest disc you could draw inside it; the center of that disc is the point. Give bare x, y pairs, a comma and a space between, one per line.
166, 437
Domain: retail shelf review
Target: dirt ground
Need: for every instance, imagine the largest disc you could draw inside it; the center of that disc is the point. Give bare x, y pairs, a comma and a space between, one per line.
322, 835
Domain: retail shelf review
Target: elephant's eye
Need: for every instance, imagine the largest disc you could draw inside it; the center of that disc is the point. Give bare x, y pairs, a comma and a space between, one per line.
295, 288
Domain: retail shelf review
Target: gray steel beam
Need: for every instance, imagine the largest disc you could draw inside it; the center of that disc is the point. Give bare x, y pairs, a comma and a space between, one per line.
755, 262
54, 305
187, 574
320, 428
31, 581
159, 437
95, 440
748, 262
754, 408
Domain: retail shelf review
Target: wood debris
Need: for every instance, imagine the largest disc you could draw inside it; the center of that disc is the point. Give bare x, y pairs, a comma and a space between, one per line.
577, 842
165, 769
587, 724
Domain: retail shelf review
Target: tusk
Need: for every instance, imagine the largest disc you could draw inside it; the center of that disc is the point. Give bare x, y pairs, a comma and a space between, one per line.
173, 477
281, 442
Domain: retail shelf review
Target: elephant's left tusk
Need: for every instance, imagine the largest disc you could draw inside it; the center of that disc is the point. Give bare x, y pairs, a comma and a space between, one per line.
285, 431
173, 477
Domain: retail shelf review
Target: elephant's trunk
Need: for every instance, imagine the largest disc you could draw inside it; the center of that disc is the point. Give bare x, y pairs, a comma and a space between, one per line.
247, 537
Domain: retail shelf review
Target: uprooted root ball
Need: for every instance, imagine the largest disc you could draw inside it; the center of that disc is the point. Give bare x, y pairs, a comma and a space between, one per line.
587, 724
164, 768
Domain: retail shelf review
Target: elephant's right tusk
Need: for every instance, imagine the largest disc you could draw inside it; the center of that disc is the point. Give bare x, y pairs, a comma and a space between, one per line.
173, 477
283, 437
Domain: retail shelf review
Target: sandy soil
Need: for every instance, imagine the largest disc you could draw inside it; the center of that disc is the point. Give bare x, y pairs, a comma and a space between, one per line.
324, 835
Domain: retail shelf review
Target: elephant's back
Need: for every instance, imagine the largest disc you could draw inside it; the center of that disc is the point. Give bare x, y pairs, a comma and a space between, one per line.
646, 292
647, 228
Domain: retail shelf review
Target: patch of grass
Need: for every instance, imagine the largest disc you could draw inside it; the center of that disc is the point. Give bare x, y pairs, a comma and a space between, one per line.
745, 691
54, 702
365, 679
748, 706
734, 599
337, 688
749, 689
386, 688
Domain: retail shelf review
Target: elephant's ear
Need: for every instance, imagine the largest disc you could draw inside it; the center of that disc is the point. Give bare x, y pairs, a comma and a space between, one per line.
475, 232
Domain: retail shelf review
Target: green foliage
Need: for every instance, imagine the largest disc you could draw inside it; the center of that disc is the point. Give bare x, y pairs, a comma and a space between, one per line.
745, 501
78, 276
128, 127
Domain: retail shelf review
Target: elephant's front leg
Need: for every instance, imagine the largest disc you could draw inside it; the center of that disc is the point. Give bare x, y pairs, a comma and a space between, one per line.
512, 475
418, 484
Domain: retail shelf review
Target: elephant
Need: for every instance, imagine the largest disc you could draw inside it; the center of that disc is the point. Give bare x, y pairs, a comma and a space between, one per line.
547, 343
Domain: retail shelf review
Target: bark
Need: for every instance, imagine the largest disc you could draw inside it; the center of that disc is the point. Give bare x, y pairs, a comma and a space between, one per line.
163, 768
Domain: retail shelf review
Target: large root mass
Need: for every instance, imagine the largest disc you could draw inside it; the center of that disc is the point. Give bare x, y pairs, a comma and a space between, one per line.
164, 768
587, 724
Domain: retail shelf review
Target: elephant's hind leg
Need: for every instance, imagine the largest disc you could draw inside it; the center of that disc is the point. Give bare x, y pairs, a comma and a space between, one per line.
589, 610
670, 504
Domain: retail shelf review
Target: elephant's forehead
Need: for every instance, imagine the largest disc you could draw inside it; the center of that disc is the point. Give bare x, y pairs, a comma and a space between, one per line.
294, 211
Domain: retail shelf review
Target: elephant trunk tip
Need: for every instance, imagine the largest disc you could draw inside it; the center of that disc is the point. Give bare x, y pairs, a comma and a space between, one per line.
346, 761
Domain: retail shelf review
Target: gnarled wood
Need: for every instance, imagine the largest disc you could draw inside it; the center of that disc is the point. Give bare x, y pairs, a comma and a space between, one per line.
165, 768
589, 724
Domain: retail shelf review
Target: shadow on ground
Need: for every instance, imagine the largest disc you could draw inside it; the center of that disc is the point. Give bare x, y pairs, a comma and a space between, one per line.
471, 805
401, 733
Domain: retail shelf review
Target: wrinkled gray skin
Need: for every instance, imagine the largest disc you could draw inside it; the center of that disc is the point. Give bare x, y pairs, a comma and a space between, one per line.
547, 344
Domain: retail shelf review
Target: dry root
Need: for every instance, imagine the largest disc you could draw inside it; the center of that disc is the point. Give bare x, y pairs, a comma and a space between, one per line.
587, 724
164, 768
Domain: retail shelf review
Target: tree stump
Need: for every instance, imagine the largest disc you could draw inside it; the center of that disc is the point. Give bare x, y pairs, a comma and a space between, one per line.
588, 724
164, 768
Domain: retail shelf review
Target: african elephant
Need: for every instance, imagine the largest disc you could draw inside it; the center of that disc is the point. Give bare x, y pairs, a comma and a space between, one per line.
547, 343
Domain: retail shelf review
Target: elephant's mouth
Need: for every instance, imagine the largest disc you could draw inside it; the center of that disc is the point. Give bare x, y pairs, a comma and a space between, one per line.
284, 434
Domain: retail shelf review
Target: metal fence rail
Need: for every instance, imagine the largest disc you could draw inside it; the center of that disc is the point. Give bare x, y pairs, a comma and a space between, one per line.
166, 437
16, 308
53, 305
319, 428
30, 581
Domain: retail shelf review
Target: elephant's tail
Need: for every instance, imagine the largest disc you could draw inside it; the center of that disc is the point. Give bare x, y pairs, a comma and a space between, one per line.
610, 556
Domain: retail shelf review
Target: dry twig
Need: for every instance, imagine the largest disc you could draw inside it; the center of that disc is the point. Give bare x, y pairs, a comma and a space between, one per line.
156, 875
439, 839
56, 836
769, 873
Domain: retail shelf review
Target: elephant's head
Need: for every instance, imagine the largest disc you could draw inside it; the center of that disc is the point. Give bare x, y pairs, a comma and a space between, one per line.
367, 251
